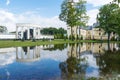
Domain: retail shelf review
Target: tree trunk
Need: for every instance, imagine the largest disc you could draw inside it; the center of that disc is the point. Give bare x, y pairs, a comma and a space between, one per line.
71, 34
109, 41
79, 33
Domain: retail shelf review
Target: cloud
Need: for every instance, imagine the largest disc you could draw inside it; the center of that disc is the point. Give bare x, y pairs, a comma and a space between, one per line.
7, 58
98, 2
31, 17
10, 19
92, 14
60, 57
7, 2
91, 60
7, 19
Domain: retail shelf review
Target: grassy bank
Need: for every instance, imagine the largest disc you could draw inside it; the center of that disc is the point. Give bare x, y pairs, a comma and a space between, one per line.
12, 43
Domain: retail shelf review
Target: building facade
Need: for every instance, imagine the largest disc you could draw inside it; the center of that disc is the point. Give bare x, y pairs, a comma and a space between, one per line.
88, 34
30, 31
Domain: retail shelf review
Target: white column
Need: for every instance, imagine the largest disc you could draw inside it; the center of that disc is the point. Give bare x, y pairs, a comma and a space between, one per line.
38, 33
22, 33
16, 32
33, 53
22, 56
28, 52
34, 33
28, 33
16, 52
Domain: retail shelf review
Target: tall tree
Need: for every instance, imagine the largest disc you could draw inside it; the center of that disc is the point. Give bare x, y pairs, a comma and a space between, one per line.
106, 18
118, 1
73, 13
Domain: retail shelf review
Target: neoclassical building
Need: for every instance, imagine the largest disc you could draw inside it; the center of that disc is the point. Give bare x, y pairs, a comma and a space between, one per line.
30, 31
27, 31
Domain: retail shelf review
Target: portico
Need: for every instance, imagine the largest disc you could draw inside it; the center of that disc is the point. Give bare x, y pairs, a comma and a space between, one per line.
27, 31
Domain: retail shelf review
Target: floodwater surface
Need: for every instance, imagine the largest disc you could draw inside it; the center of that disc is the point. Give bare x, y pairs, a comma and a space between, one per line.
83, 61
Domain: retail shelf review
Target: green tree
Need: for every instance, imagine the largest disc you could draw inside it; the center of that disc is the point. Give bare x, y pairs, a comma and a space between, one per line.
107, 18
116, 20
73, 13
3, 29
118, 1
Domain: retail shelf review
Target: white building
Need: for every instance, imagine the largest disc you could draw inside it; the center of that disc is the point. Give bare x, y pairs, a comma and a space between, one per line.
30, 31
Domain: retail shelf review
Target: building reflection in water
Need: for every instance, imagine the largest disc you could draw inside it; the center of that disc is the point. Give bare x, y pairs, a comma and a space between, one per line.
28, 54
104, 62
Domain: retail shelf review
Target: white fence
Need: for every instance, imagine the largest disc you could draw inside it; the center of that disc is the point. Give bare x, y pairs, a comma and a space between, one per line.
7, 36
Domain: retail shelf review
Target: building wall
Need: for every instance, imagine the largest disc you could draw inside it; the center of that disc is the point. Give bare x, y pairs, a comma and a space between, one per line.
99, 34
88, 34
74, 31
83, 33
95, 33
7, 36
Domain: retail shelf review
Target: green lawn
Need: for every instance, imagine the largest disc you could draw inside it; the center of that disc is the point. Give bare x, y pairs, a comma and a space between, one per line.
12, 43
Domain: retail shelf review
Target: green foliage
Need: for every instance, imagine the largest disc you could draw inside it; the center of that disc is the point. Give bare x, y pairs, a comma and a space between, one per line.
72, 37
73, 13
3, 29
58, 33
107, 18
81, 38
53, 31
59, 36
118, 1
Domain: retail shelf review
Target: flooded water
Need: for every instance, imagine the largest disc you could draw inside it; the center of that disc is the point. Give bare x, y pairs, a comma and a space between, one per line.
83, 61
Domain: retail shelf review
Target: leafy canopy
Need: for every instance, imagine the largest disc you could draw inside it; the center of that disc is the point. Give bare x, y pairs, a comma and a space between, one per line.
73, 13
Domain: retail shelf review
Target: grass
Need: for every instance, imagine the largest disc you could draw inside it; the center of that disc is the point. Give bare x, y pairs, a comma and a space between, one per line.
12, 43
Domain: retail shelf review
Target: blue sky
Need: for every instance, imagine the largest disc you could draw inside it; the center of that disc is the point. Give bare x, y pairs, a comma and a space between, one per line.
43, 12
47, 8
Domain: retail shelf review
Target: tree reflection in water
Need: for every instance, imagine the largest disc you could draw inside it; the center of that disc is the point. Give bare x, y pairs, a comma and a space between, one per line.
107, 61
57, 47
74, 67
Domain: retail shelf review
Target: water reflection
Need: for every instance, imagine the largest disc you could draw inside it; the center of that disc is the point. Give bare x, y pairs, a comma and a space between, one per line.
28, 54
92, 60
83, 61
7, 56
56, 47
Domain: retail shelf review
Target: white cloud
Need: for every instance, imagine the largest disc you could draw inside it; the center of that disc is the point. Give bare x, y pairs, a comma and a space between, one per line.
57, 55
98, 2
7, 58
30, 17
9, 20
92, 16
91, 60
7, 2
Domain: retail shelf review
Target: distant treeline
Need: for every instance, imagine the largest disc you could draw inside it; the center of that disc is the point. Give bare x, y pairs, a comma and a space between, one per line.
53, 31
58, 33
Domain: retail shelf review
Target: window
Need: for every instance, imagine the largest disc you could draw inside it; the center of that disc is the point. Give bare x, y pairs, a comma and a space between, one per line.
99, 29
99, 33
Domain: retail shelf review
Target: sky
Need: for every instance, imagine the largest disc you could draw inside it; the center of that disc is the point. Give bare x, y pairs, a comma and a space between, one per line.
42, 12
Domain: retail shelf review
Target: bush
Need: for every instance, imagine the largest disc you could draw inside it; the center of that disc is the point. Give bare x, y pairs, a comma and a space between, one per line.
23, 39
113, 39
72, 37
